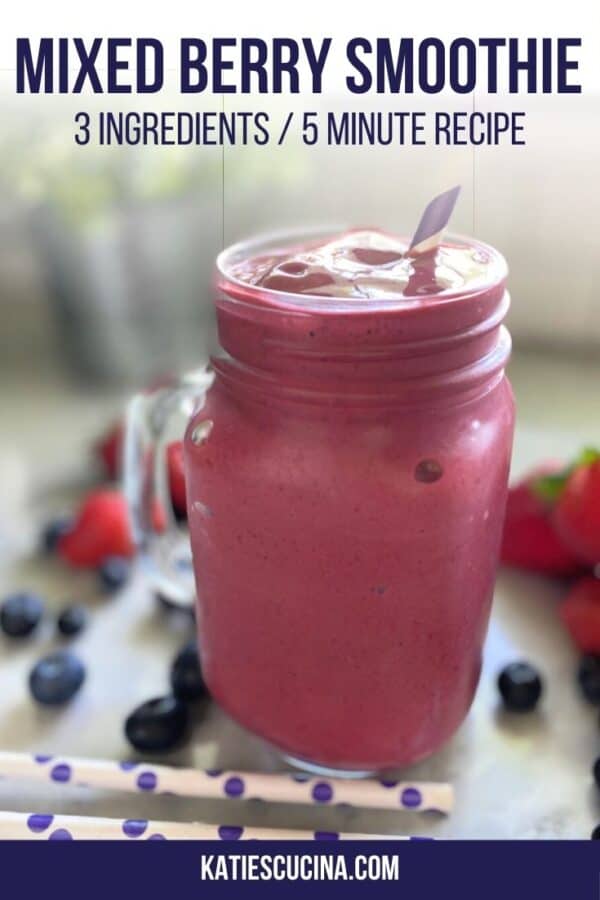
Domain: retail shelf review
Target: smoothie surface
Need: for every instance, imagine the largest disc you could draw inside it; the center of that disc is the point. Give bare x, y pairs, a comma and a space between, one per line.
369, 264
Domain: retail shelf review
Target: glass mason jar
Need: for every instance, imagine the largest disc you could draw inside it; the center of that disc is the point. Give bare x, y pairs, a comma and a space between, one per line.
346, 475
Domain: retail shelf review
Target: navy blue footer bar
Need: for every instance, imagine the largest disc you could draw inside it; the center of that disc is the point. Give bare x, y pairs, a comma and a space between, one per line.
169, 870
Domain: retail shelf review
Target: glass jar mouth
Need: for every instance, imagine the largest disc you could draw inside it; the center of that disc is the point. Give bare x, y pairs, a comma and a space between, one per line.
279, 301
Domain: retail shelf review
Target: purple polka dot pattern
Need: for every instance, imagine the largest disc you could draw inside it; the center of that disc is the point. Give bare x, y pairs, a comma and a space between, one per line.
127, 766
38, 822
322, 792
134, 828
146, 781
42, 758
230, 832
388, 783
61, 834
411, 798
157, 837
300, 777
234, 786
326, 836
62, 773
213, 773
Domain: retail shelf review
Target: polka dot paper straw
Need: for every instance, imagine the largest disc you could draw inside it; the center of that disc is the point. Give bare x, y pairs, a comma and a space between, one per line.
210, 783
42, 826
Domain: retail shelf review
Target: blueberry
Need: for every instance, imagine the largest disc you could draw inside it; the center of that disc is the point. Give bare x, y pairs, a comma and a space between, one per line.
169, 605
187, 682
165, 602
596, 772
180, 515
20, 614
520, 687
72, 620
56, 678
53, 532
595, 835
114, 573
157, 725
588, 676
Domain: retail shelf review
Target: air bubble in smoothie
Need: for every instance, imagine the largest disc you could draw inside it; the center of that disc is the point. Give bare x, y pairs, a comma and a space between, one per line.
428, 471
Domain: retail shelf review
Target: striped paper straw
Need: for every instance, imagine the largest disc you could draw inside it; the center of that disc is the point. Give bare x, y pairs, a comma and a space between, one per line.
42, 826
296, 787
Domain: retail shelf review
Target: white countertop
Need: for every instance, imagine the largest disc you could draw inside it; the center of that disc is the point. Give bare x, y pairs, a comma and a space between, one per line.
515, 776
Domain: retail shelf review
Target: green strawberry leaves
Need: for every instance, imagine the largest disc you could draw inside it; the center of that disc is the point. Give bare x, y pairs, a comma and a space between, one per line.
549, 487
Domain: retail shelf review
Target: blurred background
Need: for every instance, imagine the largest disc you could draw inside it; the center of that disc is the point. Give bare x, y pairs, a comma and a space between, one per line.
106, 254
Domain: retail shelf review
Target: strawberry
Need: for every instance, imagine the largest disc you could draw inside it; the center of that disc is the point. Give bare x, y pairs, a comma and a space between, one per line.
577, 512
109, 449
529, 540
176, 477
101, 529
580, 613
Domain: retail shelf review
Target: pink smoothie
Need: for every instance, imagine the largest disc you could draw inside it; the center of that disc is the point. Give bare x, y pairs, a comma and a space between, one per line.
346, 486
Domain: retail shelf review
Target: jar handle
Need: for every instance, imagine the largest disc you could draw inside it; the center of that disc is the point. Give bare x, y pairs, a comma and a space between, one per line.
155, 420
